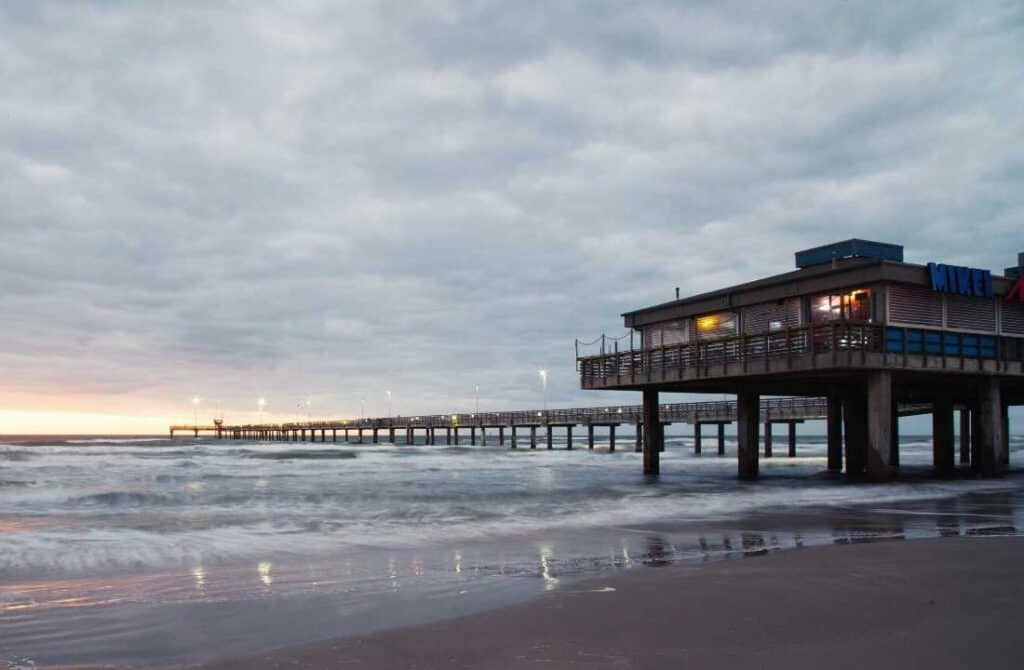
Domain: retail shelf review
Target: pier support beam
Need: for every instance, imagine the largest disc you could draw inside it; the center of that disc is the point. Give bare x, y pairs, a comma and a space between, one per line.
652, 430
515, 444
376, 436
834, 428
942, 434
990, 460
767, 439
448, 435
639, 438
501, 436
792, 439
550, 446
880, 426
855, 419
611, 438
472, 435
568, 437
748, 416
533, 437
721, 439
590, 436
696, 439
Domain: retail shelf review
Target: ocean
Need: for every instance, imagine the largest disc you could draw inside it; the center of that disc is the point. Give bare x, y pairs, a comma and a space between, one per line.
152, 550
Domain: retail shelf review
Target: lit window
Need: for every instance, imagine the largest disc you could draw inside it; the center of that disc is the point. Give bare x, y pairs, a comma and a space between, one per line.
721, 324
852, 306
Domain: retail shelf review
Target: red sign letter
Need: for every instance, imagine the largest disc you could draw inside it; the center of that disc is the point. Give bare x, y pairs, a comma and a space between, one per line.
1016, 291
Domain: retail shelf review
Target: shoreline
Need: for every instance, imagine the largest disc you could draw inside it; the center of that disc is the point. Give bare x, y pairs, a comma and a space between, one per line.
946, 602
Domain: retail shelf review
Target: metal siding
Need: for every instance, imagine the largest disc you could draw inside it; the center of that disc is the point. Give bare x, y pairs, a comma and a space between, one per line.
967, 313
1013, 318
914, 305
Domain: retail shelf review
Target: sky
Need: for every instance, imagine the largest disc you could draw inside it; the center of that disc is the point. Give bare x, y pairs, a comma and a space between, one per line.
326, 201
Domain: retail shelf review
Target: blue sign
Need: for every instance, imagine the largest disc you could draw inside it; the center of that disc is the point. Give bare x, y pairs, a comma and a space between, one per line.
960, 280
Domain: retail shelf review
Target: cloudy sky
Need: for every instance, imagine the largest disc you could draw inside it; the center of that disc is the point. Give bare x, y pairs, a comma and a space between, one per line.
331, 200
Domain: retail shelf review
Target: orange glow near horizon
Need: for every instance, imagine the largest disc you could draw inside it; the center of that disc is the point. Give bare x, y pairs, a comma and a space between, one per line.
34, 422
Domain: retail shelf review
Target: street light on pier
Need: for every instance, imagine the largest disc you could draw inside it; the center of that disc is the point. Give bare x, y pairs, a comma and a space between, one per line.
261, 403
544, 383
476, 398
389, 402
195, 411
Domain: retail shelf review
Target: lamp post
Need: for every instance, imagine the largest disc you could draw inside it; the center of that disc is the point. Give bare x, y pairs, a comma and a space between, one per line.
195, 411
544, 384
389, 402
261, 403
476, 398
362, 407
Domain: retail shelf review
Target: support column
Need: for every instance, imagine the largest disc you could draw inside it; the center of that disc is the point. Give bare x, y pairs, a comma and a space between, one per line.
748, 416
323, 434
375, 436
549, 436
334, 435
533, 437
448, 435
721, 438
568, 438
834, 427
455, 431
661, 435
880, 435
514, 442
652, 453
855, 419
696, 439
639, 437
611, 438
501, 436
767, 439
942, 435
590, 435
792, 439
303, 434
990, 428
472, 435
1006, 434
483, 436
894, 452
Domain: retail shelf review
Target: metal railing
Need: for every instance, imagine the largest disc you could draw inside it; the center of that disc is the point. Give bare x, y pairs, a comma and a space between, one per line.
637, 364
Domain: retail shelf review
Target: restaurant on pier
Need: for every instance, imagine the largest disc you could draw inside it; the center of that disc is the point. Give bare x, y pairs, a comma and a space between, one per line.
855, 324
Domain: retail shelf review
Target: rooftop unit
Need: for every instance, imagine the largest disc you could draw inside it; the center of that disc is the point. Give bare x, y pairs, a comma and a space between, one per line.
853, 248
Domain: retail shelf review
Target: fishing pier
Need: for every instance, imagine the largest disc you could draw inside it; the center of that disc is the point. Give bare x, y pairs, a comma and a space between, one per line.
511, 427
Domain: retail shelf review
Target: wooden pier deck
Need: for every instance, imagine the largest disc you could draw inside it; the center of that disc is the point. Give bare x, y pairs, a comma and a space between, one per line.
403, 429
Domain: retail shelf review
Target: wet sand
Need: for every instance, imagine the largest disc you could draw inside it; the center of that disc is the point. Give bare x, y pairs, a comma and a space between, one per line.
938, 603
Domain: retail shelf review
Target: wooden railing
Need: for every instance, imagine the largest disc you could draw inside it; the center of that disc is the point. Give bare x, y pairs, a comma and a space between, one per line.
636, 364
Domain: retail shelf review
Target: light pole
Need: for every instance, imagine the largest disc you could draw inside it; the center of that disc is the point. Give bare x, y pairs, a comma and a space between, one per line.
389, 402
195, 411
362, 407
476, 398
544, 383
261, 403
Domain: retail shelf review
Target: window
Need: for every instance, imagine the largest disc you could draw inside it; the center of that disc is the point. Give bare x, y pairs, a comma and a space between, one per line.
852, 306
771, 317
669, 332
721, 324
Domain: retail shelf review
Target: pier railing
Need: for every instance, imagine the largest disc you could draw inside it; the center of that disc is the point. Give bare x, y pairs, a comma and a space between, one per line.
636, 364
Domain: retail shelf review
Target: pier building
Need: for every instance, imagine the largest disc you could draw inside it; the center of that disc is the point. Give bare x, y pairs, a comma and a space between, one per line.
853, 324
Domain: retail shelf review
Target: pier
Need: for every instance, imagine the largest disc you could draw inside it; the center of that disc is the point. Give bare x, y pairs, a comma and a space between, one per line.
515, 428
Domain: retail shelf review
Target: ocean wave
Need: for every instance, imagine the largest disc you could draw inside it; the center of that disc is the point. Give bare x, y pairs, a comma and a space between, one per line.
302, 454
117, 440
16, 455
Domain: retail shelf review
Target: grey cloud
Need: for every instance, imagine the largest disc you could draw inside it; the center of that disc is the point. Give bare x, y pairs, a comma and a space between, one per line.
311, 198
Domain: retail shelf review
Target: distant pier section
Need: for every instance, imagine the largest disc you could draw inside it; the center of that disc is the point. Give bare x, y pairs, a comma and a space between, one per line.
512, 427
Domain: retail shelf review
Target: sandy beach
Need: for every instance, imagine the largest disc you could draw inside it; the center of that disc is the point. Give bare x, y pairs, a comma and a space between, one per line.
939, 603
